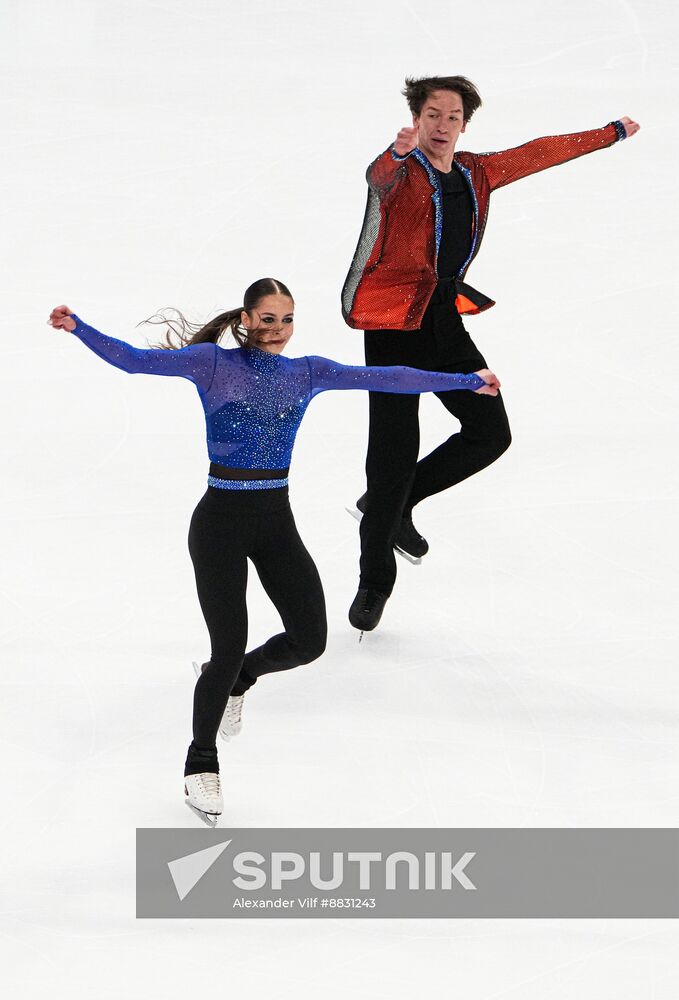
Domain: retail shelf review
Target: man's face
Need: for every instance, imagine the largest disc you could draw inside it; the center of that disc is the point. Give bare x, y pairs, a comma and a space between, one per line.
440, 123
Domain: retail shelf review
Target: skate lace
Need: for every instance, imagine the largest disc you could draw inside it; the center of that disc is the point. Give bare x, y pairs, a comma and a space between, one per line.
234, 708
210, 783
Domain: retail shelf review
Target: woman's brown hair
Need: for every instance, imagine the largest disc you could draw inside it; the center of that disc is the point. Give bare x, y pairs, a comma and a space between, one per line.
187, 333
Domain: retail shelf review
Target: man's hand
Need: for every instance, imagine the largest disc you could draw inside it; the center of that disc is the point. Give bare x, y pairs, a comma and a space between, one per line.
630, 126
60, 319
492, 383
406, 140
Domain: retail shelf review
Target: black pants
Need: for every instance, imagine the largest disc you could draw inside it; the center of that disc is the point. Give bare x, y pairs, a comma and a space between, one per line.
227, 528
396, 480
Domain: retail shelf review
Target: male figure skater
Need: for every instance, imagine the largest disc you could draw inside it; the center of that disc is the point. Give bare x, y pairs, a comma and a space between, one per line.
424, 221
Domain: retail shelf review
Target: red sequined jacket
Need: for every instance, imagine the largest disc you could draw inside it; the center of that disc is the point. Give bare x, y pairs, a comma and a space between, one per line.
393, 273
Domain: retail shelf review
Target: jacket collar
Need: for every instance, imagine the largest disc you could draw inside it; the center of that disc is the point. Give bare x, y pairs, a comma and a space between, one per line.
437, 198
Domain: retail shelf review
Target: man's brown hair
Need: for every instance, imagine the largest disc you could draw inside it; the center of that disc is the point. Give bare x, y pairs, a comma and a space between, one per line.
416, 92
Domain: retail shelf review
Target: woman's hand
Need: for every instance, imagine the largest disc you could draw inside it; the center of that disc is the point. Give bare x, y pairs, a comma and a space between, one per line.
406, 141
60, 319
492, 382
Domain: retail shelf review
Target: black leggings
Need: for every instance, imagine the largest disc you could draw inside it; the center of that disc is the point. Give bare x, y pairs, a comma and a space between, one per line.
396, 481
228, 527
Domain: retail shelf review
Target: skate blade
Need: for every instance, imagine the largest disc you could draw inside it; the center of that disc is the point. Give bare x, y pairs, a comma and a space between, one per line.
415, 560
210, 819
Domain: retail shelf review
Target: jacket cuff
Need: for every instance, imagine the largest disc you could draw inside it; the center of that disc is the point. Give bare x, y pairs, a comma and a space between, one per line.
395, 155
620, 129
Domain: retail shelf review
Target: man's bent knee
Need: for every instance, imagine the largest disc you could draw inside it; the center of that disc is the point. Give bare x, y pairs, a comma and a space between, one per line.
312, 648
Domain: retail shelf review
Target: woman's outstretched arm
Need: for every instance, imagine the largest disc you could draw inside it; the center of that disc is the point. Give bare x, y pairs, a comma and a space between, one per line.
327, 374
195, 362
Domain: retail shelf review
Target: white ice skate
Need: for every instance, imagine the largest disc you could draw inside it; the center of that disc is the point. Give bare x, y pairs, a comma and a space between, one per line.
415, 560
232, 720
204, 793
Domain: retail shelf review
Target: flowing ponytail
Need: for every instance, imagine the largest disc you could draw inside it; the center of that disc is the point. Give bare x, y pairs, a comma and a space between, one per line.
187, 333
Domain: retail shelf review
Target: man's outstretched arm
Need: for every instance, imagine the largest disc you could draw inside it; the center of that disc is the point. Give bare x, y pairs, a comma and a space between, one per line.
539, 154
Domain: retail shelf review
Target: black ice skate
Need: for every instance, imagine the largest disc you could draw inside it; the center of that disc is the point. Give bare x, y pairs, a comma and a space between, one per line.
366, 610
409, 543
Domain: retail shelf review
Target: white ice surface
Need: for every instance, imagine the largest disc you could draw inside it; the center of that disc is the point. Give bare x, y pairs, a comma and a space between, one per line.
168, 153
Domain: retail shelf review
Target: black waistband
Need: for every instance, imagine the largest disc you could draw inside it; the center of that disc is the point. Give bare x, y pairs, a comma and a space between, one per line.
227, 472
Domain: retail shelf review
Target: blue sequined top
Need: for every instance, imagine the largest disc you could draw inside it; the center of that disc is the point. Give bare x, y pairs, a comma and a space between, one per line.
253, 400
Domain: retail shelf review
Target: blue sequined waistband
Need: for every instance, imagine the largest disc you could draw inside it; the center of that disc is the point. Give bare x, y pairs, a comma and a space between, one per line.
246, 484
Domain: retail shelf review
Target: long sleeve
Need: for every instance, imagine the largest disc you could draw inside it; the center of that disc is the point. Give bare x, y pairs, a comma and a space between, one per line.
327, 374
195, 362
549, 151
386, 171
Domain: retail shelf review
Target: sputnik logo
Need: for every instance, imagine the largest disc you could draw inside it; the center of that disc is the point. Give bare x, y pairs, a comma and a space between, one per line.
186, 872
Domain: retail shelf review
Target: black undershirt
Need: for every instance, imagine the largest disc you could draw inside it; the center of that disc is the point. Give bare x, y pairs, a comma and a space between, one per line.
458, 214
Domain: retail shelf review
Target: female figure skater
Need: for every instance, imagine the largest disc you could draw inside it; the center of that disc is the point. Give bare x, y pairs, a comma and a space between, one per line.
254, 401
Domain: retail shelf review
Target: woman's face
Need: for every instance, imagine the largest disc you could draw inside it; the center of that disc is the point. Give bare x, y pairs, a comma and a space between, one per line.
270, 324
